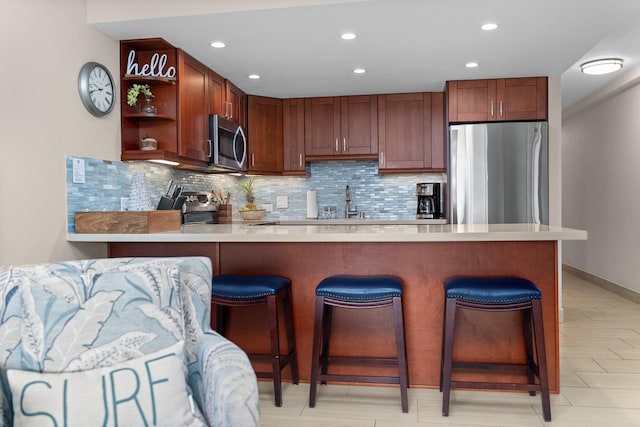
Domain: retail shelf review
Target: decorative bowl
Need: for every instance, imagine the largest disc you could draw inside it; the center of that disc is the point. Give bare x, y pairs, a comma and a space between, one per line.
253, 214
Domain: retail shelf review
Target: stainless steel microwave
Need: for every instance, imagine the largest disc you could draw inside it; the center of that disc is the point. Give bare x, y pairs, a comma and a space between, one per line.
228, 145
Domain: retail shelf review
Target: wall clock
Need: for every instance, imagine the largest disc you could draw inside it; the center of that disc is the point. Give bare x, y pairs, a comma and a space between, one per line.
96, 88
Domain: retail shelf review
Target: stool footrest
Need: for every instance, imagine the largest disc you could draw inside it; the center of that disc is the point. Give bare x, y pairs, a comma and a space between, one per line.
366, 361
359, 378
496, 386
491, 365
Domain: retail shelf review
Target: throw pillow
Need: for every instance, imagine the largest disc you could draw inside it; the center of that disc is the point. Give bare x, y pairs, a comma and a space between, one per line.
146, 391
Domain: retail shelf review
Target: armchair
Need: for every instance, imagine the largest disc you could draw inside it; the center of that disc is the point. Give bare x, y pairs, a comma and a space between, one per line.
96, 338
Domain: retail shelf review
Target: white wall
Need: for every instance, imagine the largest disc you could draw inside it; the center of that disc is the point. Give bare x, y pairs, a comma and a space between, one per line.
600, 175
44, 45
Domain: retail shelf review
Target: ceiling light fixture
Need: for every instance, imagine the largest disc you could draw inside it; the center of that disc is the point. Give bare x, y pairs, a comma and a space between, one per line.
218, 45
471, 64
254, 76
601, 66
490, 26
359, 71
348, 36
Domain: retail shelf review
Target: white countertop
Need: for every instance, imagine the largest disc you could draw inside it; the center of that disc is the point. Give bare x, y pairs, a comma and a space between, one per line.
356, 231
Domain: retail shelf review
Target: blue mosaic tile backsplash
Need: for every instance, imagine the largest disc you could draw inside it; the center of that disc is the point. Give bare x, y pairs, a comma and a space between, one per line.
379, 196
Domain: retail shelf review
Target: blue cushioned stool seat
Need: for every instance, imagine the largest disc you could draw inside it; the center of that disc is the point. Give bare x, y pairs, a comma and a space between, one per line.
240, 286
360, 287
497, 290
355, 293
235, 290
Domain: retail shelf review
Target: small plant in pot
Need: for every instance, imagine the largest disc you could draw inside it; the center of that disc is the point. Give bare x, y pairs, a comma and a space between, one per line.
250, 211
135, 91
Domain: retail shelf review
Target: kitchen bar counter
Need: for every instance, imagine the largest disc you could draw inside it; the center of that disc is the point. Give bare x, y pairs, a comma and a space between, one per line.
422, 256
358, 231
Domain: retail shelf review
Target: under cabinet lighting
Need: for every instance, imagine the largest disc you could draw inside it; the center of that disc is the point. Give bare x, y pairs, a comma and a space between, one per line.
164, 162
348, 36
601, 66
218, 45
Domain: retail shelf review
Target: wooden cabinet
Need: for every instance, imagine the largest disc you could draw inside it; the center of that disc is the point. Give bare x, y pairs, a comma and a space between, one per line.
341, 127
226, 99
411, 132
156, 63
193, 108
265, 135
497, 100
293, 137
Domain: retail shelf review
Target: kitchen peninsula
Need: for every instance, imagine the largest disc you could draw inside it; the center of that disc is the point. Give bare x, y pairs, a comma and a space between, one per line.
423, 256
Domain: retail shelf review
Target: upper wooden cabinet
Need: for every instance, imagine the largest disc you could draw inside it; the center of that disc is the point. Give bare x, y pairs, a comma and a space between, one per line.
497, 100
193, 108
341, 127
179, 129
265, 135
293, 137
226, 99
411, 132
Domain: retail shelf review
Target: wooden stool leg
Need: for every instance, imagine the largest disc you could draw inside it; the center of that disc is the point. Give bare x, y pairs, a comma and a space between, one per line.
326, 340
528, 345
272, 308
288, 318
447, 356
541, 355
315, 352
401, 352
219, 316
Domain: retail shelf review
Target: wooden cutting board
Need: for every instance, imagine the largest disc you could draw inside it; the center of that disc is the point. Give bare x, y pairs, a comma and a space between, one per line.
127, 222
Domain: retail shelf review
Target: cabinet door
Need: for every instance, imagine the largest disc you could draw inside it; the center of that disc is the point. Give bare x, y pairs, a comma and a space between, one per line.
265, 134
216, 93
404, 122
322, 126
359, 125
236, 109
472, 100
293, 135
193, 108
522, 98
438, 133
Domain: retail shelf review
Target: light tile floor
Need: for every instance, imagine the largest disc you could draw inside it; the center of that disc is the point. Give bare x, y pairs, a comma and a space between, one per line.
599, 381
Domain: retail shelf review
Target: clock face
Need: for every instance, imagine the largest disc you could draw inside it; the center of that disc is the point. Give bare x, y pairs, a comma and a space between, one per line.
96, 88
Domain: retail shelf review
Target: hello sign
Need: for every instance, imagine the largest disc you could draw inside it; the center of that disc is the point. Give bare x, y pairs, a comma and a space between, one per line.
157, 66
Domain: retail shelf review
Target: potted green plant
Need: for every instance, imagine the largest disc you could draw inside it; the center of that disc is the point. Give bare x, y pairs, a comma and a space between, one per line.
134, 92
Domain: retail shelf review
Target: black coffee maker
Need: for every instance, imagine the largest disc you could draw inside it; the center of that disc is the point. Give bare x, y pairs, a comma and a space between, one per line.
429, 200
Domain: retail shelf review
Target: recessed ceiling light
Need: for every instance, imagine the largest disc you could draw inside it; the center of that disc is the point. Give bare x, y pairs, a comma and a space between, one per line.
218, 45
601, 66
471, 64
359, 71
254, 76
348, 36
489, 26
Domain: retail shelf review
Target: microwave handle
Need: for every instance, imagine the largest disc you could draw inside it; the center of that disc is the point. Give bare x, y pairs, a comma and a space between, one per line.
244, 143
208, 155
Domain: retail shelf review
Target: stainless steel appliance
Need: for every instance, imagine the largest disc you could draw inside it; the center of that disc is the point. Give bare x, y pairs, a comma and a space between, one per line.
228, 145
499, 173
199, 208
430, 205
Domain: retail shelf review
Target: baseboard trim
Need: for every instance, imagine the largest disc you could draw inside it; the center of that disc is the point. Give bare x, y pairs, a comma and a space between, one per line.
605, 284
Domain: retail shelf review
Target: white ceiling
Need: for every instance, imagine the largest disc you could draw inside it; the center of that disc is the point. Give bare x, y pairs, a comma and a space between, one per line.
404, 45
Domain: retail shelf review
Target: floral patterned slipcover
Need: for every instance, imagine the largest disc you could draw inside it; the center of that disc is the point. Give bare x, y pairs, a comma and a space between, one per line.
81, 315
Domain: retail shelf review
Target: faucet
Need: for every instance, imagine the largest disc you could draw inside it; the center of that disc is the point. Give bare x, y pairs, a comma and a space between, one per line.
348, 213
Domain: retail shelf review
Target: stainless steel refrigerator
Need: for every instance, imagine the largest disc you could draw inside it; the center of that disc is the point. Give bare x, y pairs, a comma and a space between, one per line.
499, 173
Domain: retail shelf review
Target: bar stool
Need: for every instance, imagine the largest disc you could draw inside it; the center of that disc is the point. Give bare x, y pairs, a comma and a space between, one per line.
357, 292
238, 290
496, 295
